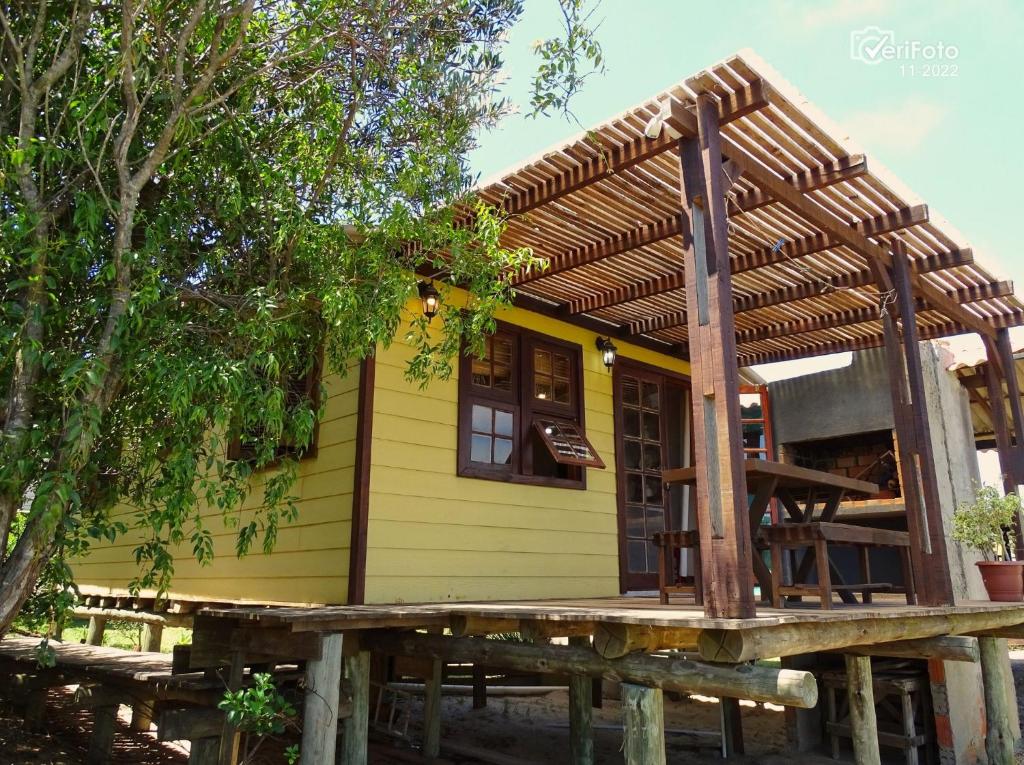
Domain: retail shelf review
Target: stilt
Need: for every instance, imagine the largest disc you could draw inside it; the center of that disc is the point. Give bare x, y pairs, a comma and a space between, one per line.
102, 739
35, 709
1000, 736
581, 728
863, 726
479, 686
203, 751
96, 626
230, 739
356, 727
732, 727
151, 637
432, 712
644, 724
142, 714
323, 691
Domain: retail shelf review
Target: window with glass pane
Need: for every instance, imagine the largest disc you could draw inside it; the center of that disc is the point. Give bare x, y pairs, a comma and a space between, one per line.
493, 369
552, 376
641, 462
491, 441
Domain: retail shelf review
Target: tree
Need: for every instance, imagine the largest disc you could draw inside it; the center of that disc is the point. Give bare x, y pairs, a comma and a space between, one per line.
195, 197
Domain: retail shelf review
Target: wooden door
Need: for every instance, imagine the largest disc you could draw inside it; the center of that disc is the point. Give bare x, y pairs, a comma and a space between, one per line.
651, 433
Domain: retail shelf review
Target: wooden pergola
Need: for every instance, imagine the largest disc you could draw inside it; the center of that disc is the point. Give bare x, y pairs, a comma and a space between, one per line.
732, 190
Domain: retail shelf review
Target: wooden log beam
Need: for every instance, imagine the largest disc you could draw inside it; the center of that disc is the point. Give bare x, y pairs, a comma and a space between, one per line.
536, 630
614, 639
1000, 736
959, 648
684, 122
863, 725
786, 687
666, 283
721, 486
615, 159
126, 615
462, 626
665, 228
739, 645
322, 694
643, 722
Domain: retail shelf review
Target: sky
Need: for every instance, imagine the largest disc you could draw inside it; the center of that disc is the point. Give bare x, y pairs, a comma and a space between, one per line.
946, 131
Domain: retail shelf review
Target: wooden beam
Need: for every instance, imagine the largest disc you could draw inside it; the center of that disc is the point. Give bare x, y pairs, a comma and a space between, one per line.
322, 694
643, 722
960, 648
828, 224
360, 501
816, 323
141, 617
432, 710
1009, 365
863, 725
788, 687
1000, 737
721, 482
659, 230
750, 643
615, 159
615, 639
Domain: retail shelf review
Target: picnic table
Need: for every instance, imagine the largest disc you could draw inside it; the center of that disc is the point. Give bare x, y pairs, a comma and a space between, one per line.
800, 491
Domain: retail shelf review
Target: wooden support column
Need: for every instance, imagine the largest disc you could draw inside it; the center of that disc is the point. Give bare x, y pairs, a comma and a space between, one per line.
1004, 439
95, 634
230, 738
643, 714
104, 721
479, 686
863, 725
432, 711
732, 727
142, 714
1009, 368
581, 703
323, 691
203, 751
1000, 736
913, 434
356, 727
152, 634
721, 483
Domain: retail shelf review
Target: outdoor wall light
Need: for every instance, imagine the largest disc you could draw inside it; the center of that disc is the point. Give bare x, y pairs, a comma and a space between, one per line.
430, 299
608, 351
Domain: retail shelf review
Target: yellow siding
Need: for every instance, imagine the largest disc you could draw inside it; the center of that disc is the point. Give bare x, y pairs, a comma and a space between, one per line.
311, 559
435, 536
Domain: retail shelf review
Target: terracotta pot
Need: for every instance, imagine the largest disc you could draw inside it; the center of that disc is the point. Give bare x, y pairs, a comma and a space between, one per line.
1004, 580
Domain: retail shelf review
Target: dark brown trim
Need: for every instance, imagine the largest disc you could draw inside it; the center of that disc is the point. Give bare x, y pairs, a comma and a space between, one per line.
361, 485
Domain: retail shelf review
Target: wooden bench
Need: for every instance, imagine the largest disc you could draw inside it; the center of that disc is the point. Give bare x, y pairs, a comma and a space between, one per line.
818, 536
669, 580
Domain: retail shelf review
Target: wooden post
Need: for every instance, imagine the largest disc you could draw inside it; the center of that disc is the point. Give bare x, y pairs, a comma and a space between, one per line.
732, 727
432, 711
151, 637
644, 725
863, 726
1004, 442
999, 736
721, 482
323, 692
479, 686
142, 714
230, 738
1009, 367
203, 751
356, 727
35, 709
96, 626
102, 739
581, 701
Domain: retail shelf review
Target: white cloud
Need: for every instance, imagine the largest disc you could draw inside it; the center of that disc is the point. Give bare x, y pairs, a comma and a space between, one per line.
817, 15
900, 128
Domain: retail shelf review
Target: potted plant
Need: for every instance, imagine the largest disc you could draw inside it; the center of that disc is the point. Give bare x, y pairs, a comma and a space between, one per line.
987, 525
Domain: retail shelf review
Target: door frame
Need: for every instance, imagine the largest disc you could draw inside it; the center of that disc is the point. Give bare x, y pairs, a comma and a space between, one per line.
624, 366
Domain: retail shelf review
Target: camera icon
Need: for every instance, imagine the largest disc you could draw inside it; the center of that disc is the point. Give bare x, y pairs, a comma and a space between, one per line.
870, 44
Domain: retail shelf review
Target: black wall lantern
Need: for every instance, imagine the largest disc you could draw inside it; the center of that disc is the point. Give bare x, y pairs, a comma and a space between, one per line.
429, 296
608, 351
